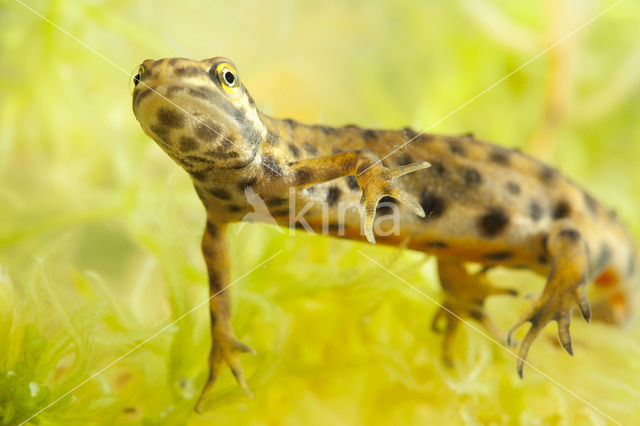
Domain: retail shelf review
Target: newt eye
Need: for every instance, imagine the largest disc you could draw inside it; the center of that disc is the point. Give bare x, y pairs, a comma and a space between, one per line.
138, 76
227, 76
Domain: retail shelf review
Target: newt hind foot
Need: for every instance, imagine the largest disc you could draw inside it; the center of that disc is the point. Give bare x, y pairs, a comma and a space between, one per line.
465, 297
564, 289
224, 350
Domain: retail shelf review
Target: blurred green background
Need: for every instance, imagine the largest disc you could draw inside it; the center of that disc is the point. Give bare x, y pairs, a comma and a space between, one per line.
100, 230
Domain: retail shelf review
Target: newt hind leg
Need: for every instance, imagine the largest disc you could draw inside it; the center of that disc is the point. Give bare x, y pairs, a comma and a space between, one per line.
564, 289
465, 296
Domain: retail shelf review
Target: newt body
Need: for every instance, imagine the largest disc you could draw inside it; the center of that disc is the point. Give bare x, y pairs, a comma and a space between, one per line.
477, 202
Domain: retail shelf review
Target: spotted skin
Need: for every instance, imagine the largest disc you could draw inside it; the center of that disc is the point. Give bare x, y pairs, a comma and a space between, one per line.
478, 202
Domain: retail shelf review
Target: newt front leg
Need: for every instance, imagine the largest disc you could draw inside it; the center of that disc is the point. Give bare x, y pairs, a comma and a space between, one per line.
224, 345
374, 179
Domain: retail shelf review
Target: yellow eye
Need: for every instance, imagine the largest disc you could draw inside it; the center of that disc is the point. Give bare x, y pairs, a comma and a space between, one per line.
228, 76
138, 76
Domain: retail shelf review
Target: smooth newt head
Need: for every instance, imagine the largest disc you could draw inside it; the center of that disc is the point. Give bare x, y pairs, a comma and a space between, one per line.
198, 112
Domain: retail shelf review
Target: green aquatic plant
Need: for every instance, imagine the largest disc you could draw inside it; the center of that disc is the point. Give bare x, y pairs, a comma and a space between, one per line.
99, 231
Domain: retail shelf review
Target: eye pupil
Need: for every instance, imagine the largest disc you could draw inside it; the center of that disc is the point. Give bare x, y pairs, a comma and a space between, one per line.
229, 77
136, 79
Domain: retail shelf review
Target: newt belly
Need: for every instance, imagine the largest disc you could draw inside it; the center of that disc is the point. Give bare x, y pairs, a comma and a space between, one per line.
457, 197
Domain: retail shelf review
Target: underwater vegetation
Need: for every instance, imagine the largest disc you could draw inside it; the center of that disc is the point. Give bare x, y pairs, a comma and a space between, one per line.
100, 263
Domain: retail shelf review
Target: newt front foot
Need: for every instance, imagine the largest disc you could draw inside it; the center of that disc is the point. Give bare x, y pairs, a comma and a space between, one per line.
224, 350
376, 182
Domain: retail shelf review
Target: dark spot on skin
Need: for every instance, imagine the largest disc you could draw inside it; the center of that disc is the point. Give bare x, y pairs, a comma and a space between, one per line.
325, 129
272, 139
173, 61
591, 203
215, 283
241, 164
246, 183
424, 138
212, 230
270, 166
410, 134
295, 152
188, 71
188, 165
547, 174
303, 175
471, 177
456, 147
433, 205
280, 212
289, 122
199, 159
352, 183
170, 118
570, 233
535, 210
499, 255
199, 175
335, 226
207, 133
161, 132
436, 244
201, 194
219, 193
225, 155
333, 195
544, 256
234, 209
477, 315
141, 95
311, 189
437, 168
207, 95
404, 159
337, 150
310, 148
561, 209
370, 134
226, 144
513, 188
493, 222
173, 89
364, 167
276, 201
499, 156
384, 205
187, 144
544, 238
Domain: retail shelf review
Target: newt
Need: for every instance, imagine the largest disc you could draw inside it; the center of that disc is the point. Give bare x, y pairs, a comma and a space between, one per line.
456, 197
